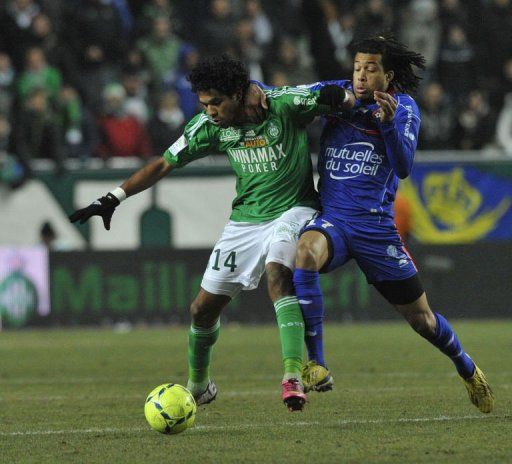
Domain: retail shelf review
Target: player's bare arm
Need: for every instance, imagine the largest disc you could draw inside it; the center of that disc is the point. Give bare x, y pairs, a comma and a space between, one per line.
104, 206
339, 98
146, 177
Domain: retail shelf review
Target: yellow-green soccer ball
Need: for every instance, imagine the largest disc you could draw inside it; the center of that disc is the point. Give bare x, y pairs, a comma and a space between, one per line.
170, 408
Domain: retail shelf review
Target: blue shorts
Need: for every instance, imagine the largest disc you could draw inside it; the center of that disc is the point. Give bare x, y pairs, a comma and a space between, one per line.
377, 248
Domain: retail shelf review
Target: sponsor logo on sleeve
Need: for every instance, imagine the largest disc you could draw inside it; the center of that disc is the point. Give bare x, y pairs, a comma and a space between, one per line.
407, 128
178, 146
304, 101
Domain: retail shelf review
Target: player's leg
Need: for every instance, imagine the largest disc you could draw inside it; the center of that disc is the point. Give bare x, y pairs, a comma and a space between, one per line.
291, 331
232, 257
204, 331
312, 254
436, 329
279, 265
387, 264
409, 299
321, 247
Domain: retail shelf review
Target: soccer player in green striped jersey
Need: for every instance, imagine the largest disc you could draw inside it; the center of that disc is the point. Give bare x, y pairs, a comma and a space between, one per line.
267, 149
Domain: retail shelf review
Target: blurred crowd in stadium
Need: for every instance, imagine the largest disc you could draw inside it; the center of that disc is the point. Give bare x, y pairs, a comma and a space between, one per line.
86, 78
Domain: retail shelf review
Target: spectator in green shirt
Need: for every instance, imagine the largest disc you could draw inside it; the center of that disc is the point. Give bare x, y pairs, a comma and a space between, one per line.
161, 51
38, 74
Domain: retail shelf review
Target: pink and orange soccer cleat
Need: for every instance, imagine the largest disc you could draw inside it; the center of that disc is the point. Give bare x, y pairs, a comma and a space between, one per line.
292, 393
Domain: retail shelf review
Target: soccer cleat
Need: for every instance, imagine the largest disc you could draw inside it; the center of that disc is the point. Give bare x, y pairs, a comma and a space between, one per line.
316, 377
293, 394
208, 395
479, 391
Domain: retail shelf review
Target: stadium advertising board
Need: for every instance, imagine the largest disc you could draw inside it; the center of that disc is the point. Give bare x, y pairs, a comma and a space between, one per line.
24, 285
452, 203
158, 286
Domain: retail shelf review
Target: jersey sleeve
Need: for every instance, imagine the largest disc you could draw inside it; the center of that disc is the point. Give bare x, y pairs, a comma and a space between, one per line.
401, 136
262, 85
197, 141
318, 85
301, 105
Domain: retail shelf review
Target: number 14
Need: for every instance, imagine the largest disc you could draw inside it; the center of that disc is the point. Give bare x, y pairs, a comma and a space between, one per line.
229, 262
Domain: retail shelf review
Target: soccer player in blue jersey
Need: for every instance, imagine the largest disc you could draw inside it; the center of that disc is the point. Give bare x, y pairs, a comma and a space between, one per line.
363, 153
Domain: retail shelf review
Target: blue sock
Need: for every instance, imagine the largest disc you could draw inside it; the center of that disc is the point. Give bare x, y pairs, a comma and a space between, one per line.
448, 343
309, 294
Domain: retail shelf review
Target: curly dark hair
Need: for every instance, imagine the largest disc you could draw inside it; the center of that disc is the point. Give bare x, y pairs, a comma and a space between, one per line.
396, 57
221, 73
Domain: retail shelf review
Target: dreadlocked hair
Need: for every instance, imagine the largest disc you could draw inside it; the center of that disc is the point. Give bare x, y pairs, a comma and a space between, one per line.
220, 73
396, 57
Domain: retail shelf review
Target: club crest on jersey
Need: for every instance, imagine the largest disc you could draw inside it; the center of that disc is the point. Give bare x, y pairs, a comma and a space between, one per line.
273, 130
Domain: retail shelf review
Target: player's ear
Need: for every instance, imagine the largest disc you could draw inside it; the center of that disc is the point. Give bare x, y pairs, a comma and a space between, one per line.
239, 95
389, 76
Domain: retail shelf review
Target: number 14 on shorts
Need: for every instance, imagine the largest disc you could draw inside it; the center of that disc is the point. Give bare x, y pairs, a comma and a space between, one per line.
229, 262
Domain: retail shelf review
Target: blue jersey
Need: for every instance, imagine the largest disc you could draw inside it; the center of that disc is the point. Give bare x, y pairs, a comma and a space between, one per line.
361, 159
360, 162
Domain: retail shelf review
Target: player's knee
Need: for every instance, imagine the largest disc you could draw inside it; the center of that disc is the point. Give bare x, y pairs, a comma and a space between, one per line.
195, 310
200, 315
423, 323
306, 257
279, 281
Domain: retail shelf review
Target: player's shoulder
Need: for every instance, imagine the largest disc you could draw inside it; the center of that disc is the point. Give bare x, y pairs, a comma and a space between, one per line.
286, 92
201, 122
405, 99
345, 83
286, 100
407, 102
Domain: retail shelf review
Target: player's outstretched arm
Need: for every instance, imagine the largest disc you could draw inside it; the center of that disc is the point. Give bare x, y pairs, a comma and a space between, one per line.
338, 98
104, 206
349, 100
146, 177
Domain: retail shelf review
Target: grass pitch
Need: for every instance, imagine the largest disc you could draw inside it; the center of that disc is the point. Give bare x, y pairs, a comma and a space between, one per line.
71, 396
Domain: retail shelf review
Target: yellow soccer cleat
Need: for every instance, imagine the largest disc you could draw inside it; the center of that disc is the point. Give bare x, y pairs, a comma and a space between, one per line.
316, 377
479, 391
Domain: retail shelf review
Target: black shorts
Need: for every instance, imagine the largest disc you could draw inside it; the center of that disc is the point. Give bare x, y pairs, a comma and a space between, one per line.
401, 292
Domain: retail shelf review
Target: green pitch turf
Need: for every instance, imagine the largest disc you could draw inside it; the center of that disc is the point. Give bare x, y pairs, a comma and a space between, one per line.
71, 396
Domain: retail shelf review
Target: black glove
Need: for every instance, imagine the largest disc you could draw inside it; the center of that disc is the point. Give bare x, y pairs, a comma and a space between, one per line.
103, 207
332, 95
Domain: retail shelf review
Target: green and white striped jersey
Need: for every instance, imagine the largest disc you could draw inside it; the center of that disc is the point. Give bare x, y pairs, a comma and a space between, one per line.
271, 160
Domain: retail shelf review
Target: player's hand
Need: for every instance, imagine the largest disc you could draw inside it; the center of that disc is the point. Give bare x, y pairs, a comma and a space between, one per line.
338, 98
256, 105
103, 207
387, 106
